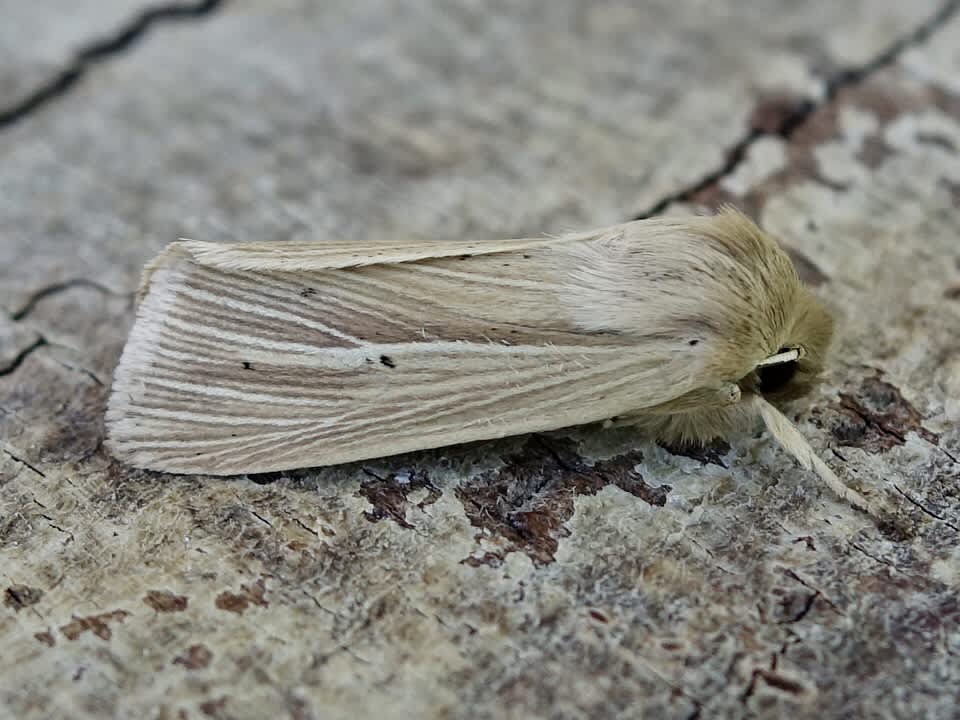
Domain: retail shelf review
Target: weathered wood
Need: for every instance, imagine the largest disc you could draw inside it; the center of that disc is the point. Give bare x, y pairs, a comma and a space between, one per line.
579, 574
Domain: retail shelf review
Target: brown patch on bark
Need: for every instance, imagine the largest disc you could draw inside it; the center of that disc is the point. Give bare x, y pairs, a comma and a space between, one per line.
874, 151
885, 96
525, 503
238, 602
820, 127
912, 627
493, 559
877, 418
773, 114
712, 453
299, 708
946, 101
781, 682
403, 157
215, 708
165, 601
256, 592
389, 496
792, 606
19, 597
99, 625
45, 637
231, 602
714, 196
953, 188
816, 128
195, 657
807, 269
952, 292
774, 680
75, 432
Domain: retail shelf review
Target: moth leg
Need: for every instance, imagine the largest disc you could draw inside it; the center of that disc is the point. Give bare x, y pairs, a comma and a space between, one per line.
729, 393
621, 421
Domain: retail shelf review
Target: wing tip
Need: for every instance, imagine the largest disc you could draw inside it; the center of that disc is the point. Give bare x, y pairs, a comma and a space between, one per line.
163, 278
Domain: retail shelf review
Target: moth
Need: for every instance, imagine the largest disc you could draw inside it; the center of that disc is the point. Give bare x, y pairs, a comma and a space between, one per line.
259, 357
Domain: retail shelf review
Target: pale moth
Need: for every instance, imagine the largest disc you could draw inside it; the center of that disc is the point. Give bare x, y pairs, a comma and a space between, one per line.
268, 356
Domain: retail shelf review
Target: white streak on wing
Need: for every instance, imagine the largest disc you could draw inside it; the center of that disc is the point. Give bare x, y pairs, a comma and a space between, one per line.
297, 440
226, 393
347, 358
259, 309
286, 285
409, 393
490, 280
286, 257
220, 418
241, 340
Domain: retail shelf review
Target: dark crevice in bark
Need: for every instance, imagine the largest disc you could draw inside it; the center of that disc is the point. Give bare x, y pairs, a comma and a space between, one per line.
18, 359
18, 459
792, 121
42, 342
101, 50
55, 289
925, 510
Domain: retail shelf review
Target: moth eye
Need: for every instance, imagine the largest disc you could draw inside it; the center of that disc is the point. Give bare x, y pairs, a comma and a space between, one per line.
776, 377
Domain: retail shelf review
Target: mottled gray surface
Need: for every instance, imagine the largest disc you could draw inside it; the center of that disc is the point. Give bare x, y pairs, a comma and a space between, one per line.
578, 574
46, 47
39, 40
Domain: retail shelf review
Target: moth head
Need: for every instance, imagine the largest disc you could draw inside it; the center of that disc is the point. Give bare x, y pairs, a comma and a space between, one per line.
795, 367
775, 373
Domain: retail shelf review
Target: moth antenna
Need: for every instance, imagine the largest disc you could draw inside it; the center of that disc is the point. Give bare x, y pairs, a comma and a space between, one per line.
793, 442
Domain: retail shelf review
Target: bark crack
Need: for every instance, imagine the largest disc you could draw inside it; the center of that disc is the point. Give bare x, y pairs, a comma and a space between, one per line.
19, 358
925, 510
90, 375
876, 558
58, 528
303, 525
42, 342
817, 592
49, 290
100, 50
794, 120
23, 462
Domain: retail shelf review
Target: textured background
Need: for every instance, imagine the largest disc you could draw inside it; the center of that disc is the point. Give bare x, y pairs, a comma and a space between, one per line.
577, 574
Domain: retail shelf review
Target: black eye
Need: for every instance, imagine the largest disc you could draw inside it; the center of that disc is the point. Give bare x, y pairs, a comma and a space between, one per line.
776, 377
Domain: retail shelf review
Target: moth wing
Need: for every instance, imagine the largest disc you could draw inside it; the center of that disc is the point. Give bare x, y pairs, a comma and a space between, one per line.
233, 370
307, 256
300, 257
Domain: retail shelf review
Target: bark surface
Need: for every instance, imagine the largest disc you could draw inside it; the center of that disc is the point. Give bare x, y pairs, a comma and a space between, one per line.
578, 574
